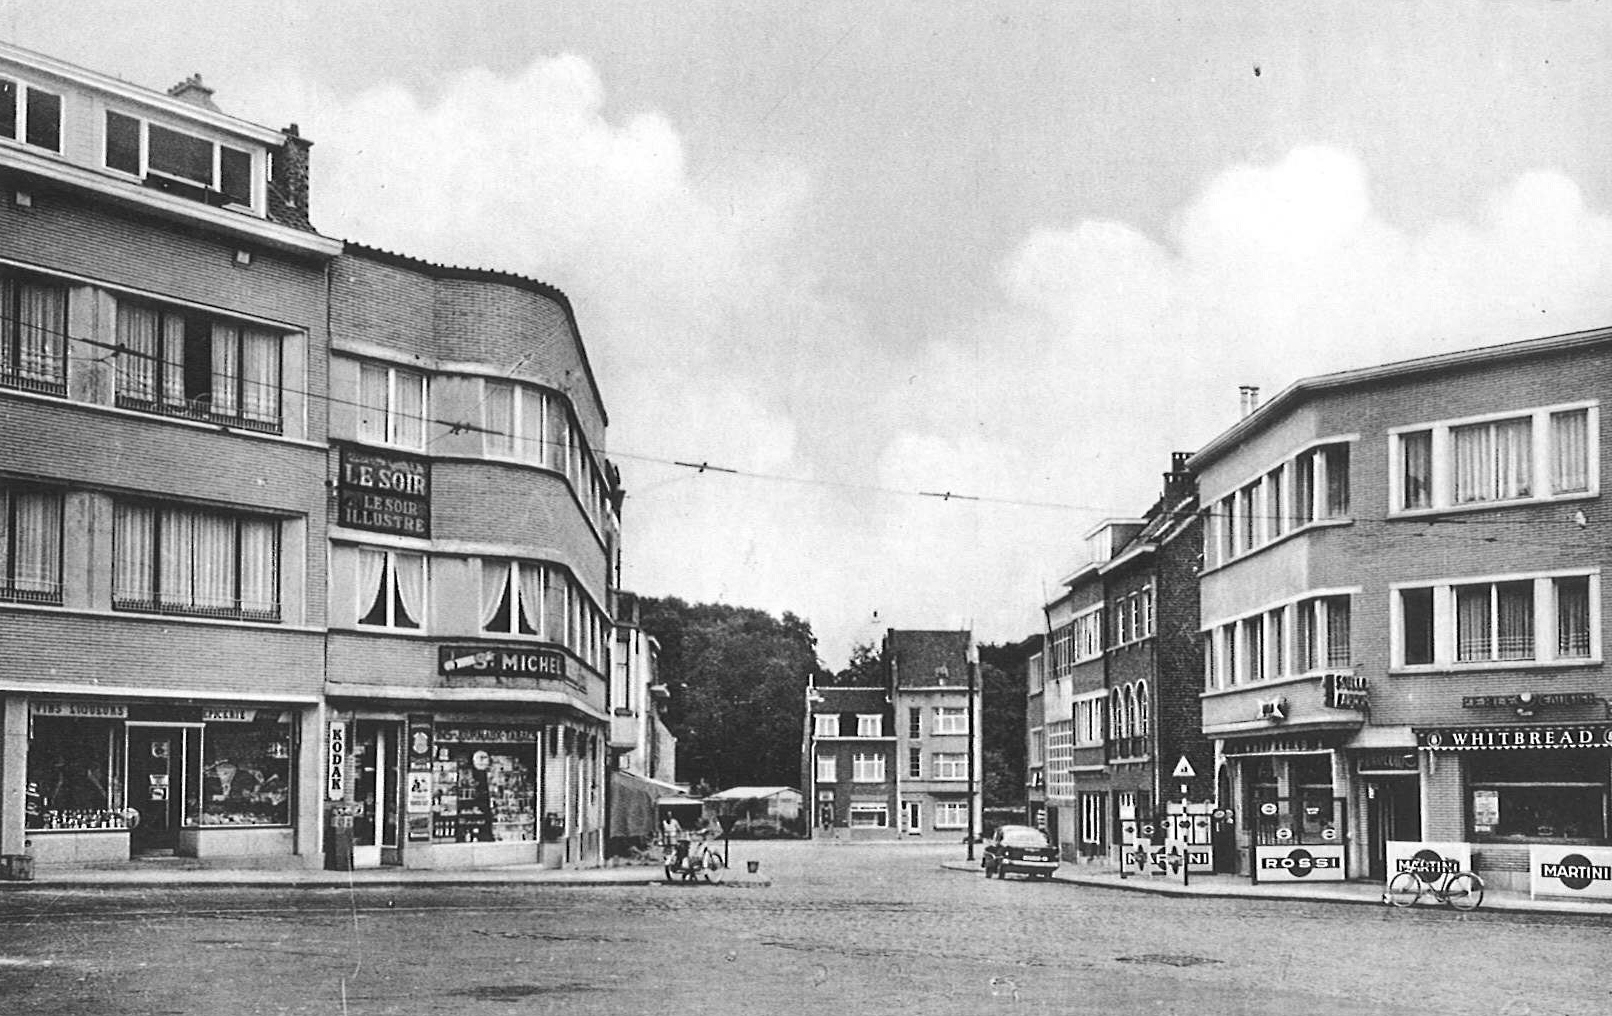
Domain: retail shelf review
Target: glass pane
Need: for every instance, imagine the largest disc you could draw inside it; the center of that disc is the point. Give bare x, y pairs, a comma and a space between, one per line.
246, 770
408, 414
1570, 456
44, 120
1472, 629
1417, 478
182, 155
1516, 619
498, 409
1417, 618
1573, 617
8, 108
372, 403
122, 143
235, 175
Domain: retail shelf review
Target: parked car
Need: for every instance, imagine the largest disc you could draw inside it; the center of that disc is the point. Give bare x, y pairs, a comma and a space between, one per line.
1019, 848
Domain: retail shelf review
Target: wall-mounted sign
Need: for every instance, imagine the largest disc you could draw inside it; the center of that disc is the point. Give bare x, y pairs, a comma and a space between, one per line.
1430, 861
1290, 744
1313, 863
419, 742
1570, 871
1346, 691
1556, 735
384, 492
1567, 698
1387, 761
500, 661
228, 715
488, 735
79, 710
419, 795
1485, 809
336, 761
1272, 709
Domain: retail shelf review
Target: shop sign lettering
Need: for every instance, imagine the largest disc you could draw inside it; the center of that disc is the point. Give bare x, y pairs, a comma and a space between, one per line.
1570, 871
1346, 691
79, 710
500, 661
1583, 735
1312, 863
229, 715
1566, 698
488, 735
1429, 860
336, 762
388, 493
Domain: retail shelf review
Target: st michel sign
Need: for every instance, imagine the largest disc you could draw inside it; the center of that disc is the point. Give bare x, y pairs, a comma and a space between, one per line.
384, 492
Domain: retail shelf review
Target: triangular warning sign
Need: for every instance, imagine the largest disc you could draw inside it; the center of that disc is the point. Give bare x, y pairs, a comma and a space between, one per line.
1183, 770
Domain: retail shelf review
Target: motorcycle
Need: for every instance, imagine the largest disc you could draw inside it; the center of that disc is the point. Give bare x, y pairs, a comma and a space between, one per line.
689, 861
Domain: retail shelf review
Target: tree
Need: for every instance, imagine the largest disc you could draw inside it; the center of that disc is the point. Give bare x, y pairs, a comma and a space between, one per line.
1003, 674
865, 669
737, 678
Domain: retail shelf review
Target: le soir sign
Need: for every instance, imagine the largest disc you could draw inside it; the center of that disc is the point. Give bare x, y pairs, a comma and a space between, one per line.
385, 492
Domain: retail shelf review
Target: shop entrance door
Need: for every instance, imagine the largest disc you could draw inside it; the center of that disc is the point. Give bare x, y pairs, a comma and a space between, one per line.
156, 788
1395, 809
376, 791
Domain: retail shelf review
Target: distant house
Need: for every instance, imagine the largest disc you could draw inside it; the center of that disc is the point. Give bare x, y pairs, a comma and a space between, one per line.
741, 808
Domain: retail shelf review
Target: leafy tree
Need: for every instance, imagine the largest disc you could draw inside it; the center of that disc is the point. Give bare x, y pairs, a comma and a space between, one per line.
865, 669
1003, 683
737, 678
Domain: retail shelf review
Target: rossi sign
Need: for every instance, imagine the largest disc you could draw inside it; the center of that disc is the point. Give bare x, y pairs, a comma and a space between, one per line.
1310, 863
1430, 861
1570, 871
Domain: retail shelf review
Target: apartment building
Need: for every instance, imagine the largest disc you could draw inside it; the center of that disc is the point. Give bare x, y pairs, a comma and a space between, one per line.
163, 520
1035, 740
1401, 602
849, 763
1076, 701
299, 540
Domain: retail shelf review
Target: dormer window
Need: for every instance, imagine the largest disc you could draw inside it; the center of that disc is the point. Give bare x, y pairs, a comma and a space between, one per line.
172, 160
30, 115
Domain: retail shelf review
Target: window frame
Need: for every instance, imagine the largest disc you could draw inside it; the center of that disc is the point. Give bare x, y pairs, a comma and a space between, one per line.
864, 763
389, 590
826, 769
155, 600
390, 414
210, 192
15, 353
949, 720
825, 724
941, 809
866, 809
948, 765
869, 725
1545, 612
22, 114
171, 369
1545, 444
11, 590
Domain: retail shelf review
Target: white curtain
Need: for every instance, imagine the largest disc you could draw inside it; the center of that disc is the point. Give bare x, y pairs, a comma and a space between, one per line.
42, 328
1417, 451
173, 361
1337, 631
226, 369
372, 402
494, 589
132, 550
214, 575
531, 426
409, 410
531, 586
137, 357
371, 569
38, 536
260, 375
1474, 463
1516, 615
1472, 628
259, 566
498, 410
1572, 617
410, 572
176, 536
1514, 458
1570, 451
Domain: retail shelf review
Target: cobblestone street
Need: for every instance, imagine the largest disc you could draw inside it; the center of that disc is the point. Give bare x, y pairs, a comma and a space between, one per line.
845, 929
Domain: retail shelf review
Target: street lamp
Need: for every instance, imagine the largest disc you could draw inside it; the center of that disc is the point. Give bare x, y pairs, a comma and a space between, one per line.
973, 679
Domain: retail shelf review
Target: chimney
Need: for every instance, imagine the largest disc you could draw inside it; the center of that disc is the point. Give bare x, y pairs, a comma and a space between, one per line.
1248, 399
1179, 484
192, 90
288, 180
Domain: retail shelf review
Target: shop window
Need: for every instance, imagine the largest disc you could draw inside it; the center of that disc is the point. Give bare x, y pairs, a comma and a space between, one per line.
1315, 809
870, 816
30, 545
184, 363
1538, 796
391, 406
33, 334
75, 774
246, 770
485, 793
212, 564
951, 814
391, 588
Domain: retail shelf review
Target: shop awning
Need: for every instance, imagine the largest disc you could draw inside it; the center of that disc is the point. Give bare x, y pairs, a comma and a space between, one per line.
1551, 736
632, 805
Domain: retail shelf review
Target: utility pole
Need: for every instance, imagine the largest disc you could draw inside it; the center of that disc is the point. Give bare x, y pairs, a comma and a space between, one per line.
973, 774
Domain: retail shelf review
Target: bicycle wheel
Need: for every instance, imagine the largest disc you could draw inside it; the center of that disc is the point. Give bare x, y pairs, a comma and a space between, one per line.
1463, 891
714, 869
1404, 890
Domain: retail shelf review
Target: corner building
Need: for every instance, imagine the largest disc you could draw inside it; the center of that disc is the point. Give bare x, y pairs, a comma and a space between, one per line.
1402, 603
471, 550
162, 451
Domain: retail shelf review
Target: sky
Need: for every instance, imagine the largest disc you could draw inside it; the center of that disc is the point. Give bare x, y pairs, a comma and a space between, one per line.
860, 252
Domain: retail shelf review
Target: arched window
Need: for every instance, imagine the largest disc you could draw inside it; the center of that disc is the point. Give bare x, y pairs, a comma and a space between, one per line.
1142, 709
1130, 710
1116, 716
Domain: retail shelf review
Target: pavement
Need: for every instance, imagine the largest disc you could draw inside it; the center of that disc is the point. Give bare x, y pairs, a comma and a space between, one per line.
186, 872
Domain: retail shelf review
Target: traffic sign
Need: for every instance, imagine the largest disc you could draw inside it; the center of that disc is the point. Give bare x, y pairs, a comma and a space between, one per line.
1183, 770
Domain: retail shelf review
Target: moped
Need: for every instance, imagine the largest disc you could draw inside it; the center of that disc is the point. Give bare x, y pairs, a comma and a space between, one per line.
689, 861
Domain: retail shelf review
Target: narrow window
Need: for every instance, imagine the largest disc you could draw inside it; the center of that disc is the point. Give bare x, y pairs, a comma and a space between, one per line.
1570, 451
1337, 614
1416, 470
1573, 617
1337, 469
1416, 621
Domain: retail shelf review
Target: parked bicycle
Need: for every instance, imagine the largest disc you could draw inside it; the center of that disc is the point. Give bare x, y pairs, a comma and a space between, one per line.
1462, 890
689, 861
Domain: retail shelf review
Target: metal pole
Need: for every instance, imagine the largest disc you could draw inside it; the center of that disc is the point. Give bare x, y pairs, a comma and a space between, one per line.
973, 675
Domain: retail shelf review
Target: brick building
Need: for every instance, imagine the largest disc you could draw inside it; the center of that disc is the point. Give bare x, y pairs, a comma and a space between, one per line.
1402, 599
294, 533
893, 760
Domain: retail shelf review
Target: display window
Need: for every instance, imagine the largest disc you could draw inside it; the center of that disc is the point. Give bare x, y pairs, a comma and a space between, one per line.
246, 770
1538, 796
75, 774
484, 793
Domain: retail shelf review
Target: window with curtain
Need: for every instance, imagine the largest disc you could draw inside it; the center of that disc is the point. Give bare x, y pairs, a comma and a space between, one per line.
867, 767
869, 725
1494, 621
391, 588
182, 362
1336, 458
1493, 461
512, 598
30, 545
1254, 647
515, 421
1143, 709
186, 561
1416, 470
1570, 451
391, 406
33, 334
949, 765
1336, 610
1573, 617
827, 769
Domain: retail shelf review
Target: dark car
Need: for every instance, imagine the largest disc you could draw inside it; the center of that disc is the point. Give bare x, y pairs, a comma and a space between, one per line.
1019, 848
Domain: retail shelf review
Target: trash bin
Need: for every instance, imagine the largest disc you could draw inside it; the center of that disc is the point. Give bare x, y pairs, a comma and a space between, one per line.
17, 867
339, 842
752, 866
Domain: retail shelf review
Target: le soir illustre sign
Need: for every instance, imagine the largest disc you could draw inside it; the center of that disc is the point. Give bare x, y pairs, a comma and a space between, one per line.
384, 492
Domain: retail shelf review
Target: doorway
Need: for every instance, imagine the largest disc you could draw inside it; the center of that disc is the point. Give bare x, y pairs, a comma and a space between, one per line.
911, 818
1394, 809
157, 767
376, 791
